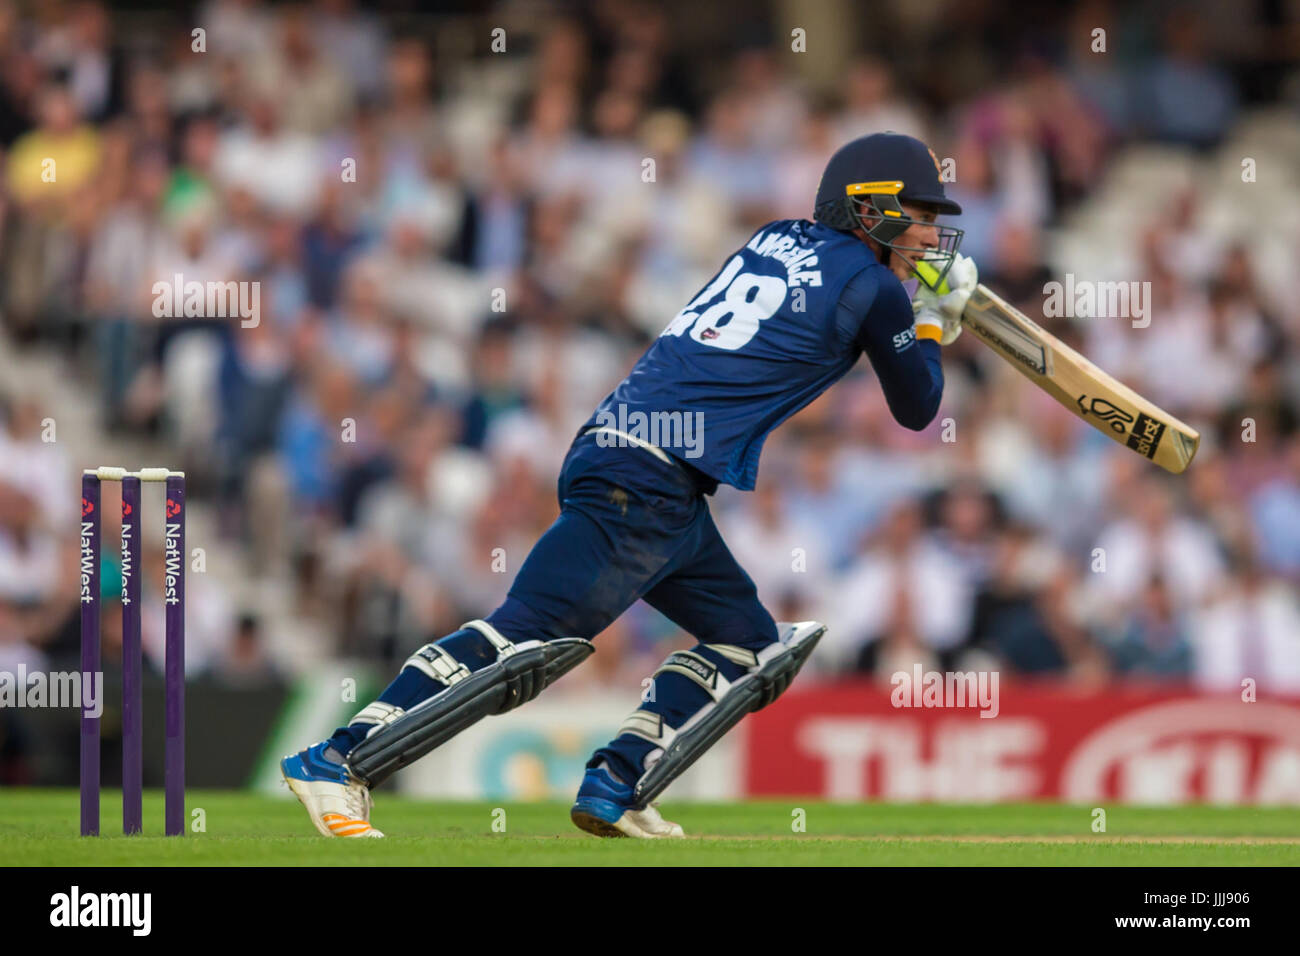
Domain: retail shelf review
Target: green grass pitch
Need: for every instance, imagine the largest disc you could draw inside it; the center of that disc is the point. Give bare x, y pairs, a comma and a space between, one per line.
39, 828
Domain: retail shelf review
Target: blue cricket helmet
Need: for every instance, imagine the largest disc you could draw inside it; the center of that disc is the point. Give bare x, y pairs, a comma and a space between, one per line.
868, 179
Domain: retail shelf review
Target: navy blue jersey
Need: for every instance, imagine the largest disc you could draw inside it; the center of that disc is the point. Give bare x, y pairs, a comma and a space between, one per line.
786, 317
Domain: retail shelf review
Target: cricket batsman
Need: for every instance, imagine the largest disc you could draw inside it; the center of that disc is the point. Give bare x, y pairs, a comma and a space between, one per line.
786, 317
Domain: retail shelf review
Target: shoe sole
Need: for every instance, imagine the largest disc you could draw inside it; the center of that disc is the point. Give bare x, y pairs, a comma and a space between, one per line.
592, 815
595, 825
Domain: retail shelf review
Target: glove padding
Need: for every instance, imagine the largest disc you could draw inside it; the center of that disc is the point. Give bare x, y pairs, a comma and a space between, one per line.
937, 312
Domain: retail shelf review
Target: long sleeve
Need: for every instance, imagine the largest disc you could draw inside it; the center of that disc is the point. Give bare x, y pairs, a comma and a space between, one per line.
910, 371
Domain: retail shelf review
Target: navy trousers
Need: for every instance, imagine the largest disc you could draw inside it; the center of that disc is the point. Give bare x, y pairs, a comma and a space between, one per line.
635, 527
631, 526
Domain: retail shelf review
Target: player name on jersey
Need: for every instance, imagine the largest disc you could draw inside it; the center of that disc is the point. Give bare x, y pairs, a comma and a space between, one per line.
790, 253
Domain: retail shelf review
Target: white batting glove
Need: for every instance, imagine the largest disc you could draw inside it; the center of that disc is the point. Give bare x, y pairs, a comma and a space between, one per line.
937, 312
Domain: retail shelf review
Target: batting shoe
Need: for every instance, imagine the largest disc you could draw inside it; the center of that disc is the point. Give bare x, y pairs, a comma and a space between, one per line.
338, 804
604, 807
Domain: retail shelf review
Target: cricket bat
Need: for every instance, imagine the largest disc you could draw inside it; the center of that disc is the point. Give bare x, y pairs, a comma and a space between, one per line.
1100, 400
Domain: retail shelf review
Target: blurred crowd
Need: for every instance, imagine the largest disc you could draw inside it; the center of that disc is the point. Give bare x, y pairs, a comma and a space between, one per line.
460, 251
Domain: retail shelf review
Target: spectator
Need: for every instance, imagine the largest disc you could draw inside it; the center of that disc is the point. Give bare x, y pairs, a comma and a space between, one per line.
460, 253
1275, 509
1249, 631
1155, 540
903, 592
1153, 643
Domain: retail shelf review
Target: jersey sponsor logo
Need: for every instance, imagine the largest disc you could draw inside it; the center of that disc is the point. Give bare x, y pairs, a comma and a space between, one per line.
904, 339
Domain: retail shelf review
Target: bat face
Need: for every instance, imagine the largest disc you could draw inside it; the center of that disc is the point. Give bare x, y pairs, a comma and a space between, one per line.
1009, 331
1100, 400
